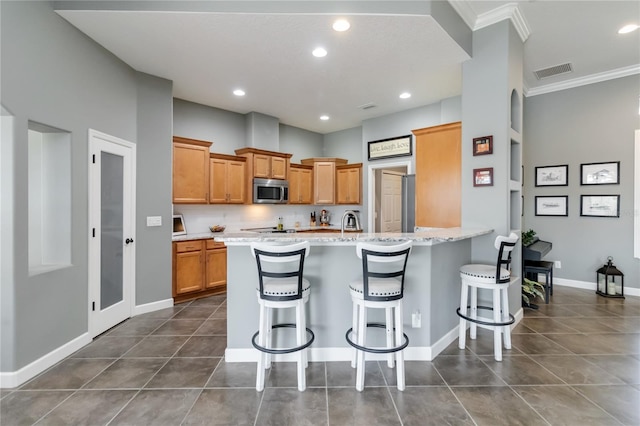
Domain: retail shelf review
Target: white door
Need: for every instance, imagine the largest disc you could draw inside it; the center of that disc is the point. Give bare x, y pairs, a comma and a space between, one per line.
391, 202
112, 172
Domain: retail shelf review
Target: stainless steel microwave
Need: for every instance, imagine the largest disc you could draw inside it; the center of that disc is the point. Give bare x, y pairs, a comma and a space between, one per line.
270, 191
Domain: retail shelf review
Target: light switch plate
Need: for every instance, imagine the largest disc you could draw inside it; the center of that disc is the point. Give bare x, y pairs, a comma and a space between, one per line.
154, 220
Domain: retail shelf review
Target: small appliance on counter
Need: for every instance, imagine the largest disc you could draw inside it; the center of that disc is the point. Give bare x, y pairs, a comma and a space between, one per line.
324, 218
353, 222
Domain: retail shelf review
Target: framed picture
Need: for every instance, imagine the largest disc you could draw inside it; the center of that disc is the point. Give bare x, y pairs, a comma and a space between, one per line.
483, 177
552, 206
392, 147
483, 145
178, 225
600, 173
552, 175
600, 205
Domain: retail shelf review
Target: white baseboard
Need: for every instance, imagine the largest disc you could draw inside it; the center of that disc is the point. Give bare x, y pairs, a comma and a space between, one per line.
591, 286
17, 378
151, 307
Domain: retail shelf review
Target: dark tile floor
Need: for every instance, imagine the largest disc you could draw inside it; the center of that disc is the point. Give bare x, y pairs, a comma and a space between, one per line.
575, 361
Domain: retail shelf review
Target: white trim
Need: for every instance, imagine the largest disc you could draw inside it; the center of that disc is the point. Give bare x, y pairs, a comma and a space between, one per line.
583, 81
152, 307
585, 285
636, 196
371, 187
17, 378
508, 11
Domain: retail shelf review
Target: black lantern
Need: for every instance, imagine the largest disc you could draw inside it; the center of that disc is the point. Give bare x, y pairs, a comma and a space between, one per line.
610, 280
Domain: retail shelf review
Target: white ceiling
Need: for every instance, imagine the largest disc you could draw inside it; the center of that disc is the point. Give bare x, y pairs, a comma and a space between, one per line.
208, 55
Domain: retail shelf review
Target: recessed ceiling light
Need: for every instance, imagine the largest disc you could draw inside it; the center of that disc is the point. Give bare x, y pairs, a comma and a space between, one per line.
341, 25
405, 95
628, 28
324, 117
239, 92
319, 52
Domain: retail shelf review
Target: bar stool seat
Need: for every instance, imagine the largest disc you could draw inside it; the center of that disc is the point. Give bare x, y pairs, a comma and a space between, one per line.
281, 285
380, 286
496, 278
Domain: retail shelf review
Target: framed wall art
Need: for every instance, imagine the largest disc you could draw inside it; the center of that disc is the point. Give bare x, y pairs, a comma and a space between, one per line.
392, 147
483, 177
600, 205
552, 206
552, 175
600, 173
483, 145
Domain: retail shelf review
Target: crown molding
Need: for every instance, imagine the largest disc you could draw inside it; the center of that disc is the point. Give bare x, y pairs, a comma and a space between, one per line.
583, 81
507, 11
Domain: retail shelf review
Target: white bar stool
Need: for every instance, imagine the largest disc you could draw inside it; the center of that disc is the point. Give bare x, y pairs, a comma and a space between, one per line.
381, 286
496, 278
281, 285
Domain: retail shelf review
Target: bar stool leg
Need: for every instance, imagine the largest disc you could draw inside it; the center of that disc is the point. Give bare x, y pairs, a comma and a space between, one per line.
505, 318
399, 354
354, 334
302, 385
462, 328
473, 327
303, 332
389, 326
497, 330
362, 327
268, 336
261, 355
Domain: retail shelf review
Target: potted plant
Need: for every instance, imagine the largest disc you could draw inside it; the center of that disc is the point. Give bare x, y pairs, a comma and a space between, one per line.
530, 290
528, 237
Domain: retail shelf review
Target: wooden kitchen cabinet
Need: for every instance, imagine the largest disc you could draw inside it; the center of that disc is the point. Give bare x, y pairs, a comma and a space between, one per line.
227, 179
324, 178
349, 184
263, 164
300, 184
190, 171
199, 269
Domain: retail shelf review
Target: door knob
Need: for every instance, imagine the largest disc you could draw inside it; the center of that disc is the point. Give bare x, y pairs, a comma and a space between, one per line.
128, 240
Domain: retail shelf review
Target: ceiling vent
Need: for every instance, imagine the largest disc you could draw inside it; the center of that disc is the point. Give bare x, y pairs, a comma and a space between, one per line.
367, 106
551, 71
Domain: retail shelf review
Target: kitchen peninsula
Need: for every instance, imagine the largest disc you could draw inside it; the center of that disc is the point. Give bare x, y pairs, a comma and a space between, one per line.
431, 288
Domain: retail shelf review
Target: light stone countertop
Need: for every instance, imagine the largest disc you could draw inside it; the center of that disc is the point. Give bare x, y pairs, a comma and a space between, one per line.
428, 237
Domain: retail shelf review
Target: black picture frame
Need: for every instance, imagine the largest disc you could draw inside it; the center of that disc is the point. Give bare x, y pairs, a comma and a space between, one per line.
607, 173
552, 175
554, 205
400, 146
483, 145
600, 205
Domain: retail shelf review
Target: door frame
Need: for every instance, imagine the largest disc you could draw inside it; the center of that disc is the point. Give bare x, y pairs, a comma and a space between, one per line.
371, 190
129, 268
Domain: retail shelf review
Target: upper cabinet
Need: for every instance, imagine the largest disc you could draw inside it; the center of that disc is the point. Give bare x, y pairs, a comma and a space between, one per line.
300, 184
324, 178
227, 179
190, 171
349, 184
265, 164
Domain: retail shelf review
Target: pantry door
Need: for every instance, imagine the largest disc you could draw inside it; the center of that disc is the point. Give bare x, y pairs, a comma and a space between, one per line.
112, 163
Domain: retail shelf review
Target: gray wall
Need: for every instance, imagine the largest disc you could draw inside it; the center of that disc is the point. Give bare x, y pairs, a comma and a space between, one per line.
345, 144
588, 124
53, 74
300, 142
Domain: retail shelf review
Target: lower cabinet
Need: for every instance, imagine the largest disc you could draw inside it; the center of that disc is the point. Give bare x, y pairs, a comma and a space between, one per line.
199, 269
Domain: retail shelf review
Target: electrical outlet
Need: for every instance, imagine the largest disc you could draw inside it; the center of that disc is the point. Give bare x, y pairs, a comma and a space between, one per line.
416, 319
557, 264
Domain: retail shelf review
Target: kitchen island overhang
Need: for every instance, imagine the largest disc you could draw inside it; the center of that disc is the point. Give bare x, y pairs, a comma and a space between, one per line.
432, 288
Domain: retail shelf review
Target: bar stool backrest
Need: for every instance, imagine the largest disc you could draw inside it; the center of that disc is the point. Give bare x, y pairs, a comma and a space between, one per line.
505, 246
395, 259
279, 262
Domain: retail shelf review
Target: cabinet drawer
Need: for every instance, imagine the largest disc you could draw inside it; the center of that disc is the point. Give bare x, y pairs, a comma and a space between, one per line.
214, 245
184, 246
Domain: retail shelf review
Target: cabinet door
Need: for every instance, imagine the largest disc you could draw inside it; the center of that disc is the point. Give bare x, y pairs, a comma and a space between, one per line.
278, 168
218, 181
324, 182
349, 185
216, 276
189, 272
262, 166
190, 174
235, 182
306, 186
294, 186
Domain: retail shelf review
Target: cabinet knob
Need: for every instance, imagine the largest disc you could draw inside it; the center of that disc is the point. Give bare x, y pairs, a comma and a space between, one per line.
128, 241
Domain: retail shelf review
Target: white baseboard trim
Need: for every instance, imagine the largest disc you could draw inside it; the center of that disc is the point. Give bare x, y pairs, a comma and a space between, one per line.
151, 307
591, 286
17, 378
